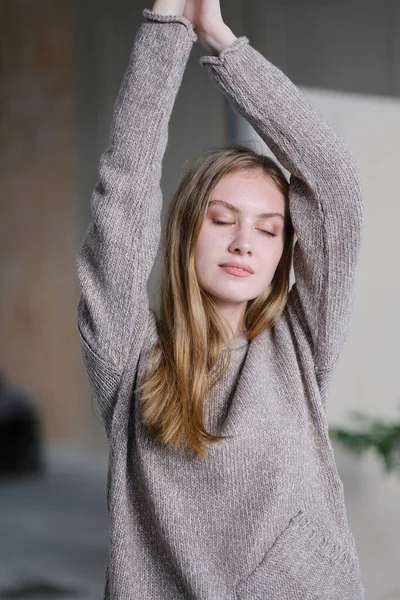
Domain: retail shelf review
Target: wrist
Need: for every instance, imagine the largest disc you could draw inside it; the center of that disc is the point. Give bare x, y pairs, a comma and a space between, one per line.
168, 7
216, 41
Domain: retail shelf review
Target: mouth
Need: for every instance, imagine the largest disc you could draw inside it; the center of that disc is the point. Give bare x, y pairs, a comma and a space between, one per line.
236, 271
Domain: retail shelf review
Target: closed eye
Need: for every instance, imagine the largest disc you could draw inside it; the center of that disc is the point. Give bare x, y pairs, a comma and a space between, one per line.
262, 230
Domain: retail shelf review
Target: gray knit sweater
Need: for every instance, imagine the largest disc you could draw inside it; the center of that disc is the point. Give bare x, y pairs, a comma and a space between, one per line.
263, 517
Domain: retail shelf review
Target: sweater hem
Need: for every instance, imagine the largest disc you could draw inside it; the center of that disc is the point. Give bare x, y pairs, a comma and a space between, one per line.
152, 16
219, 60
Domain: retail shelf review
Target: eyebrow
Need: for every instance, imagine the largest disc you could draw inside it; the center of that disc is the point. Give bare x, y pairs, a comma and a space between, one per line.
234, 209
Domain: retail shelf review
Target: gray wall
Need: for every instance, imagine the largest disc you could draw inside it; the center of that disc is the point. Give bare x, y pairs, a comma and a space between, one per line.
348, 45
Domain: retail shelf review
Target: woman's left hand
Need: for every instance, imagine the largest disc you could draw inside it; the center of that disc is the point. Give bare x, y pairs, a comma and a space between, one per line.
205, 15
208, 24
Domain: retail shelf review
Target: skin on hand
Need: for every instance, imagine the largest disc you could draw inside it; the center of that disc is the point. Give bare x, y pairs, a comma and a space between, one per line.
213, 33
205, 15
168, 7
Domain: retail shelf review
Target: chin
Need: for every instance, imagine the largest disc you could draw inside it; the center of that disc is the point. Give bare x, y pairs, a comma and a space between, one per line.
224, 297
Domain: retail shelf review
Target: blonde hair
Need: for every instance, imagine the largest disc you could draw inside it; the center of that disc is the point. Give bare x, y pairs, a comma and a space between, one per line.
191, 332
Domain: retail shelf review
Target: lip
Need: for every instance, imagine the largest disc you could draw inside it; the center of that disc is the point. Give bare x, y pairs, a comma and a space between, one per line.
248, 270
237, 264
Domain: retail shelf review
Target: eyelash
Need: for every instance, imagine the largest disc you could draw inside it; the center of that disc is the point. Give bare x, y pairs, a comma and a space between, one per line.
223, 223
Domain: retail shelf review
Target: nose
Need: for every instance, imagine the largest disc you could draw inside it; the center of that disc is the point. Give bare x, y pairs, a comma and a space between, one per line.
242, 242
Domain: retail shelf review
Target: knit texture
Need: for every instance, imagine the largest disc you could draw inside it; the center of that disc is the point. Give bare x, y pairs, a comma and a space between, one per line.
263, 517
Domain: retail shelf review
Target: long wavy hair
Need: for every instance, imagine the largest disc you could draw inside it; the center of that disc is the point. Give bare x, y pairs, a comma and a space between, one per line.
187, 361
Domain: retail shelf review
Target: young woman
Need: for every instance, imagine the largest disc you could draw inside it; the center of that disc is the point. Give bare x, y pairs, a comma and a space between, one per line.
222, 482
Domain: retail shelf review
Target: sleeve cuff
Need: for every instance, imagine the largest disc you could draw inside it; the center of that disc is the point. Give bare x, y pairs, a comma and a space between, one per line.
219, 60
152, 16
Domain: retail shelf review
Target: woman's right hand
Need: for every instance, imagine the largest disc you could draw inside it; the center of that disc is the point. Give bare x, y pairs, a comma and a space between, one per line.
205, 16
212, 32
168, 7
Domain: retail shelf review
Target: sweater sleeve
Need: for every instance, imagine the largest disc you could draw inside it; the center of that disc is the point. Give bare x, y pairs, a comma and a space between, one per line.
121, 242
325, 197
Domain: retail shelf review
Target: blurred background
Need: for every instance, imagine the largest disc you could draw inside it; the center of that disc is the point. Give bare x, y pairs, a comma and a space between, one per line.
61, 65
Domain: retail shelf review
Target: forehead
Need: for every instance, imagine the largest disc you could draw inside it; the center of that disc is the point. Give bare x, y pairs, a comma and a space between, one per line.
248, 192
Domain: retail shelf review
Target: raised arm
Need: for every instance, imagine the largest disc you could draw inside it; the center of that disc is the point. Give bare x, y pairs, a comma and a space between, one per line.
325, 191
121, 242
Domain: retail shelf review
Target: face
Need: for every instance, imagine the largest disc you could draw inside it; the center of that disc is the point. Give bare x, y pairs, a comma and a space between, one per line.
236, 229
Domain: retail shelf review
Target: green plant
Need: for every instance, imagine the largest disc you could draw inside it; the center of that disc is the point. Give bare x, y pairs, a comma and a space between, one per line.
376, 434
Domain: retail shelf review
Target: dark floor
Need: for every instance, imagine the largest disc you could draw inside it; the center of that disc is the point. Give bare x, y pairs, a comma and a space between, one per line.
53, 530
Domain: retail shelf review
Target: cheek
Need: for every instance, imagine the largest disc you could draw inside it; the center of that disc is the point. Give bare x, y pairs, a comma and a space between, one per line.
208, 244
271, 257
278, 255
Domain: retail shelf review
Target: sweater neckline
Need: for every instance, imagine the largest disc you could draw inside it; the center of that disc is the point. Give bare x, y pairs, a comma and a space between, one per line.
240, 341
